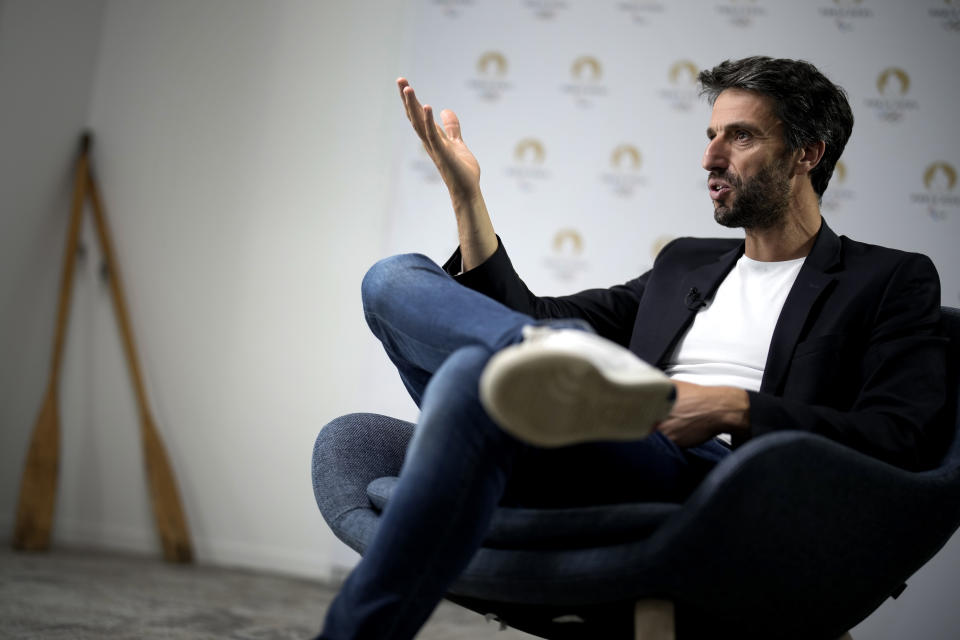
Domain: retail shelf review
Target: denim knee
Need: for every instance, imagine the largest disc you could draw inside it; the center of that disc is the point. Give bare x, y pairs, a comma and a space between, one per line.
451, 410
385, 279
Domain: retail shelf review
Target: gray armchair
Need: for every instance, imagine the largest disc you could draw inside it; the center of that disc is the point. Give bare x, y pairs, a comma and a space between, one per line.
791, 536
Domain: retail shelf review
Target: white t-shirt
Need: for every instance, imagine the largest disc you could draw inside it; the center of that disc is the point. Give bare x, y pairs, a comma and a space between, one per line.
728, 342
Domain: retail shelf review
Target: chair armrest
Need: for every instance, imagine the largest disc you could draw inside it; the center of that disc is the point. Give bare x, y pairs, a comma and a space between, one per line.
792, 516
350, 452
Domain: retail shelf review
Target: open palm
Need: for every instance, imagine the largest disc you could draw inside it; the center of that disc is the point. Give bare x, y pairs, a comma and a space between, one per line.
457, 165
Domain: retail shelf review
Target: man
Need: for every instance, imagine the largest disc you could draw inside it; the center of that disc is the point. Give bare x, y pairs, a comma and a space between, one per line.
792, 327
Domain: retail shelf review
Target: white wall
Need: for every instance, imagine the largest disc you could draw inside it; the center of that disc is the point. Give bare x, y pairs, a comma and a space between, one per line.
242, 145
246, 151
242, 151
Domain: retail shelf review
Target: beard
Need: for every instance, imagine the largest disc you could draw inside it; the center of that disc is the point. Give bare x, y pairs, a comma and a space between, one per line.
761, 201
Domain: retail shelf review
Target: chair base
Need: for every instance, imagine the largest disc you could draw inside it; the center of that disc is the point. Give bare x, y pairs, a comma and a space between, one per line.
654, 620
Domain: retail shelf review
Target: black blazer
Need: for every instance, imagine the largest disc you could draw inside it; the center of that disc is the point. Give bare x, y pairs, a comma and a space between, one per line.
856, 354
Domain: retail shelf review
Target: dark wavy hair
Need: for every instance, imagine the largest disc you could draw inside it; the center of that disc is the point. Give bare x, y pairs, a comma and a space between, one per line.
811, 107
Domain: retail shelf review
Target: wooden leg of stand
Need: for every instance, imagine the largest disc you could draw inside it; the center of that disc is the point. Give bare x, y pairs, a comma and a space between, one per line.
653, 620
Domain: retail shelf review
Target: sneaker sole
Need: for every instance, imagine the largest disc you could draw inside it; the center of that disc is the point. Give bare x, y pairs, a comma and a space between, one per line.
559, 399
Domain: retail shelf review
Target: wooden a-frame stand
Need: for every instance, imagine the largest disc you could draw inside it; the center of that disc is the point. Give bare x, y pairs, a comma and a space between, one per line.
38, 489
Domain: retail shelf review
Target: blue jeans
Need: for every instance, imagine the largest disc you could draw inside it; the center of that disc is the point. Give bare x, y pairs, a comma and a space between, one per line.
460, 465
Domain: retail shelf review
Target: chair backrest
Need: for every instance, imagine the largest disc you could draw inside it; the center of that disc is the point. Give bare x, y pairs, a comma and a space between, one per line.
951, 329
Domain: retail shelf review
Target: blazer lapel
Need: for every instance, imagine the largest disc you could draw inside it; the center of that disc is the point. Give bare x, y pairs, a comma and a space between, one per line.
812, 281
696, 288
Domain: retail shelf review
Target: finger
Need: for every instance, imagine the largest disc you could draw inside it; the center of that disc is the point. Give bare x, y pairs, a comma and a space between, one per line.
401, 85
409, 100
432, 129
414, 112
451, 124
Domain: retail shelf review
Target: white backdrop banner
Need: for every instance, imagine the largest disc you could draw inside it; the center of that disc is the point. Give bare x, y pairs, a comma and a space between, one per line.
586, 121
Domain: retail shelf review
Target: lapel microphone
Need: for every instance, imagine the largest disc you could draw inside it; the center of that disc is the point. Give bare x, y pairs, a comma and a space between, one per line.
694, 300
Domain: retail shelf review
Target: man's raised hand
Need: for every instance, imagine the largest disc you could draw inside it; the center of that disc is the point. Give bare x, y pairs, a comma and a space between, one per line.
460, 172
457, 165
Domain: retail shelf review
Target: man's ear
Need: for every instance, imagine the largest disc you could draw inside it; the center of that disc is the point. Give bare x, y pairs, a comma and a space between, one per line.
810, 157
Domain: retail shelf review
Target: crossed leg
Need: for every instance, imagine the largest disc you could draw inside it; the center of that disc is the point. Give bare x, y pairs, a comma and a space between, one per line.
460, 464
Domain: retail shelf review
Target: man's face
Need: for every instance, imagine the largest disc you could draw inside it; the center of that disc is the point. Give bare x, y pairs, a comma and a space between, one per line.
749, 165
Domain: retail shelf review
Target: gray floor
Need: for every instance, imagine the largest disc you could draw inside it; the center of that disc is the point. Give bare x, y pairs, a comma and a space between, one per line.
86, 595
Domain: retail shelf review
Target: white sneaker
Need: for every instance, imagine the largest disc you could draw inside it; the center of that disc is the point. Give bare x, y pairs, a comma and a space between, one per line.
563, 386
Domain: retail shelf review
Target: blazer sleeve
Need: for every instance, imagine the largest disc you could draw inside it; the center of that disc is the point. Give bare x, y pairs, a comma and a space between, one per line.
894, 414
611, 312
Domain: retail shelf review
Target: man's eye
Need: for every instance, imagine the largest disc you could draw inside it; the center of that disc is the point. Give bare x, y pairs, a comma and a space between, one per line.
742, 136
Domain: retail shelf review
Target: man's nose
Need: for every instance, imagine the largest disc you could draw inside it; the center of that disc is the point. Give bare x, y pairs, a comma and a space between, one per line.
714, 156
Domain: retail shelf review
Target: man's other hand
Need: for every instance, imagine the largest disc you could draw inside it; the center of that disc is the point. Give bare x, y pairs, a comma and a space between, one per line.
701, 413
